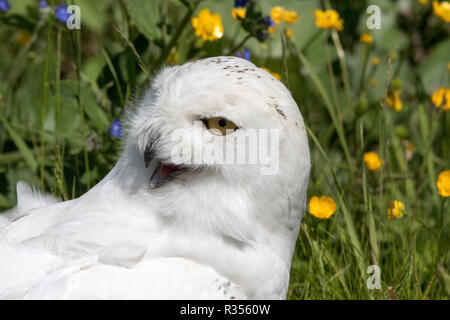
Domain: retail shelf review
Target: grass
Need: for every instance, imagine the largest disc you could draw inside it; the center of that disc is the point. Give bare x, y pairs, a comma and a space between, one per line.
61, 89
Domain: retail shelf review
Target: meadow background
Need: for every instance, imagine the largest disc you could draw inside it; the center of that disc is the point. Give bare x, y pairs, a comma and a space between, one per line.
63, 93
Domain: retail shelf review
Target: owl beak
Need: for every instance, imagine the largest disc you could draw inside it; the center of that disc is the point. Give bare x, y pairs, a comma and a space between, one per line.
160, 172
149, 152
164, 173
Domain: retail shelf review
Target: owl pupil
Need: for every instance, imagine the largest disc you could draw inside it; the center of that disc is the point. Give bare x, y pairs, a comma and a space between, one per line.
222, 123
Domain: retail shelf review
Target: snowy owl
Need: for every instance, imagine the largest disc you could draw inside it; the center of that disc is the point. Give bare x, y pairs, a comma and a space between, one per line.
154, 228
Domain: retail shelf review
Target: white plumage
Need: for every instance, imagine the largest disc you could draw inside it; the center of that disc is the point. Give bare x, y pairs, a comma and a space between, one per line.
211, 231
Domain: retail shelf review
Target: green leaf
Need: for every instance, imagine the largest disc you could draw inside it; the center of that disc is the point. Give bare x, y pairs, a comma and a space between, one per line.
434, 69
93, 13
4, 202
95, 113
391, 39
145, 15
21, 145
93, 67
90, 177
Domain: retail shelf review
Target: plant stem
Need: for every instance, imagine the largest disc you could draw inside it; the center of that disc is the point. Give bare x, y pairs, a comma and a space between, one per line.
59, 138
114, 74
343, 63
284, 58
363, 70
173, 41
239, 45
341, 55
334, 88
323, 93
311, 40
43, 104
346, 213
135, 53
81, 106
368, 208
58, 84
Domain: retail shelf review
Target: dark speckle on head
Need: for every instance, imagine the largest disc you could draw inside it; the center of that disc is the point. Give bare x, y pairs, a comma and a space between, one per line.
245, 73
278, 109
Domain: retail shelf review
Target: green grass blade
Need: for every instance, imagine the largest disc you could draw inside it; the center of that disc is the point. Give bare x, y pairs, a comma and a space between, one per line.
346, 213
328, 104
21, 145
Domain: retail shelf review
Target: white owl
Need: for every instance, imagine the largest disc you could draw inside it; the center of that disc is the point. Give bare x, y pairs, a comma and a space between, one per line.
159, 229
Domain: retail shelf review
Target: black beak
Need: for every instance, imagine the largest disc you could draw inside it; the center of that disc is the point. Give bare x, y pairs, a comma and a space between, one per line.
149, 152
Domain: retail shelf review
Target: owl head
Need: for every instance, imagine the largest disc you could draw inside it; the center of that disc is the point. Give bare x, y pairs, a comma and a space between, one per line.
218, 147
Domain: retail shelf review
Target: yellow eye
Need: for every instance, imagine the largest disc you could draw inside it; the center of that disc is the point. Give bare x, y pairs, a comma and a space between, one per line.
220, 126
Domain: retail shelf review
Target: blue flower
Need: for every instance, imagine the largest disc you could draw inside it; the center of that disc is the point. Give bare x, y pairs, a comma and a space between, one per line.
61, 12
244, 54
240, 3
116, 129
43, 4
247, 54
262, 36
269, 22
4, 5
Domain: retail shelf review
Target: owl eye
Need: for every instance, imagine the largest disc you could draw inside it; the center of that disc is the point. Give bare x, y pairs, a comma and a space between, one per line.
220, 126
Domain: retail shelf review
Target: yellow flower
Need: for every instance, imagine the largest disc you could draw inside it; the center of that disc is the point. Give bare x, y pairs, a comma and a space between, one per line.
442, 10
328, 19
277, 14
438, 96
366, 38
409, 149
207, 25
288, 33
323, 207
424, 2
441, 98
274, 74
290, 16
393, 100
393, 55
446, 106
396, 209
443, 183
375, 61
24, 37
372, 160
173, 57
272, 29
239, 13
